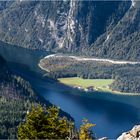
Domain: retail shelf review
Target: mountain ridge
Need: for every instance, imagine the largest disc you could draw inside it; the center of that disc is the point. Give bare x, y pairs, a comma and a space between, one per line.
74, 26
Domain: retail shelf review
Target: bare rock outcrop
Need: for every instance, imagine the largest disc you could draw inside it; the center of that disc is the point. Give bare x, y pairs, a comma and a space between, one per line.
133, 134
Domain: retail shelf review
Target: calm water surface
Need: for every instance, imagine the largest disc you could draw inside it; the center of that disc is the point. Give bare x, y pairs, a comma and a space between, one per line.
112, 114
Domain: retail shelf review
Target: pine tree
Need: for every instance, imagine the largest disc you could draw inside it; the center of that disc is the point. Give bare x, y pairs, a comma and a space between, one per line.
47, 124
85, 132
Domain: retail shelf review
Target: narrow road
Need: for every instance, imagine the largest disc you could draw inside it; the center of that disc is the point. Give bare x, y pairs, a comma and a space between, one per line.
78, 58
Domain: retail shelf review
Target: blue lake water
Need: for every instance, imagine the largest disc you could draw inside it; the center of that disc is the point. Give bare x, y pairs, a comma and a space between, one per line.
112, 114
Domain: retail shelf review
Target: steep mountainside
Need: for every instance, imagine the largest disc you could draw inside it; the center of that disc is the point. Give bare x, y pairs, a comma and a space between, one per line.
62, 24
122, 42
16, 99
96, 28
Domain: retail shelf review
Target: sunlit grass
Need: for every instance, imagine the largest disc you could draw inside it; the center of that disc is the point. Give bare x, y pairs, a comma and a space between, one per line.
100, 84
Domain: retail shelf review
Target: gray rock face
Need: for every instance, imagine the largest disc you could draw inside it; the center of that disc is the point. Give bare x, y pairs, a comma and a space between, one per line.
108, 29
133, 134
72, 25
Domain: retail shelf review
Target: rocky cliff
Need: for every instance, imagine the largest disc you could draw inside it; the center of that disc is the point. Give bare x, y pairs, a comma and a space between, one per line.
107, 29
133, 134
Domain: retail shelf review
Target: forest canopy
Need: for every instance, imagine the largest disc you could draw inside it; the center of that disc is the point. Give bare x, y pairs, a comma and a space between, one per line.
126, 76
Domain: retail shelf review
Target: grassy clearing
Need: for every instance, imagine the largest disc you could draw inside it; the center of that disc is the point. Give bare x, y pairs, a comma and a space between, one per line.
98, 84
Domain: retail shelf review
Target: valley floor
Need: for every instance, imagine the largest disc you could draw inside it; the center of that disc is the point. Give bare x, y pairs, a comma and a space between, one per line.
91, 85
87, 84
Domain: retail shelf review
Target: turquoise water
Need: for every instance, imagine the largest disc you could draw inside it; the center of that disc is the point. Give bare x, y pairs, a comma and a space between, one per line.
112, 114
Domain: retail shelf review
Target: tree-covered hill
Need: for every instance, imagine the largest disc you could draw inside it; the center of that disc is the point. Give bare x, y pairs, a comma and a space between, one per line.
126, 76
122, 42
16, 99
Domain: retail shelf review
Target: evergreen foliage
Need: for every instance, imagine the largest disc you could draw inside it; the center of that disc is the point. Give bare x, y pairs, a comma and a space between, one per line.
85, 132
47, 124
126, 76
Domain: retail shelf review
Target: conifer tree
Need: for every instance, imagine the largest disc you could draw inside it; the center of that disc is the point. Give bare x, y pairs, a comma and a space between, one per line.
85, 132
47, 124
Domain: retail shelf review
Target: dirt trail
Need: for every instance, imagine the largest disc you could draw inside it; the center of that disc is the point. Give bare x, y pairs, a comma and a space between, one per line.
78, 58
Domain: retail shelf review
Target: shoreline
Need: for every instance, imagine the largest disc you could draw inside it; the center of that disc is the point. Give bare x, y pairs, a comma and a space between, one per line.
110, 92
80, 58
42, 68
105, 92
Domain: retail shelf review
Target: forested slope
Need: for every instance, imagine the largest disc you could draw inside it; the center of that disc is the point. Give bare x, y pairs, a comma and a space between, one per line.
16, 99
122, 42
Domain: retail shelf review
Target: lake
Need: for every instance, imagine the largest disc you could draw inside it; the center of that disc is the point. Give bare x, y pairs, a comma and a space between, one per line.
112, 114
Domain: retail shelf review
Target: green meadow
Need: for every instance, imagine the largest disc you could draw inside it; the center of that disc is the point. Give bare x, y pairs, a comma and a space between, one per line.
98, 84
